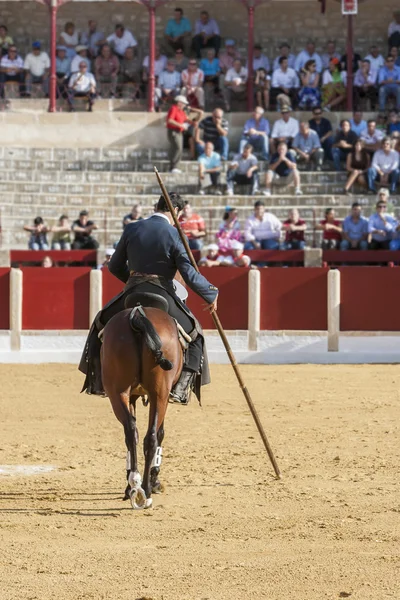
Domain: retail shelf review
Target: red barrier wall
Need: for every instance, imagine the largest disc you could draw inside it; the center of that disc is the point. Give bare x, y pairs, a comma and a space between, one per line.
370, 299
4, 298
294, 298
111, 286
56, 298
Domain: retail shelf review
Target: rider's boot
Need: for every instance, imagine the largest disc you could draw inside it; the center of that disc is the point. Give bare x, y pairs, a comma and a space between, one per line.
180, 394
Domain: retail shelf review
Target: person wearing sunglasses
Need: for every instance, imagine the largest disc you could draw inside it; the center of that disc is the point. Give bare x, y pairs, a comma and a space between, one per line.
323, 128
381, 227
82, 84
389, 83
11, 69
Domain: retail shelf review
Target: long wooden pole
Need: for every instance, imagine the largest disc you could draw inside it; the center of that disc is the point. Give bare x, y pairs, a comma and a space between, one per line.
221, 332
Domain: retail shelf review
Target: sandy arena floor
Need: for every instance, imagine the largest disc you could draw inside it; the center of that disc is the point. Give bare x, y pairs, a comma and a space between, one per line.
224, 528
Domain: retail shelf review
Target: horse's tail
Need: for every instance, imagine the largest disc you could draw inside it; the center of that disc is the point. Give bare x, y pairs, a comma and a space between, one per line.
140, 323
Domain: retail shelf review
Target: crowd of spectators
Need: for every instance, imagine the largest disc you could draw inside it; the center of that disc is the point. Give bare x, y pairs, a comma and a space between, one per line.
82, 229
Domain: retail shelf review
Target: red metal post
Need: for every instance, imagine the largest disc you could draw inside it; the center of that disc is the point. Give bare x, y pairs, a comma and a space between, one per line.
350, 62
53, 41
152, 52
250, 54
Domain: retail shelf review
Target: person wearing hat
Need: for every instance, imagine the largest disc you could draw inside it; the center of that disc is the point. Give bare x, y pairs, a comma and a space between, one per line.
256, 132
284, 52
228, 56
107, 258
212, 258
81, 56
11, 69
168, 84
206, 34
37, 67
236, 258
285, 129
83, 229
177, 122
63, 64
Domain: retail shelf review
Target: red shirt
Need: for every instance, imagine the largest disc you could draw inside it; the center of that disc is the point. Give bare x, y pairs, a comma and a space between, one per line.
331, 234
195, 223
177, 114
292, 236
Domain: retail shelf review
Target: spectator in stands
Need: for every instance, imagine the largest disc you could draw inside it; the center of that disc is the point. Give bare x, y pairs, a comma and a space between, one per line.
356, 62
354, 230
211, 69
228, 56
329, 54
206, 34
181, 61
357, 123
283, 169
395, 241
47, 262
169, 83
262, 230
37, 66
11, 69
215, 130
309, 94
63, 70
284, 52
381, 227
343, 143
285, 83
92, 38
192, 82
229, 230
260, 61
212, 258
394, 122
235, 84
256, 132
371, 137
365, 85
394, 53
332, 230
323, 128
83, 229
130, 71
294, 228
38, 237
83, 85
357, 165
177, 122
120, 40
375, 59
69, 38
384, 167
243, 170
238, 258
285, 129
193, 227
5, 40
81, 56
133, 216
106, 68
307, 146
209, 169
178, 32
107, 258
308, 54
394, 30
262, 86
61, 234
160, 63
333, 85
389, 83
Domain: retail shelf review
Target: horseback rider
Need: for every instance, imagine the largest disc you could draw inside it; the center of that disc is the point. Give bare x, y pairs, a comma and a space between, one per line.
146, 259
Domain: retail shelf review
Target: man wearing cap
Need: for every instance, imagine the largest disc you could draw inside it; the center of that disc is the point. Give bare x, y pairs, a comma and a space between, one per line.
209, 169
109, 253
83, 229
212, 258
256, 132
121, 40
81, 56
11, 69
168, 84
285, 129
243, 170
177, 122
37, 66
206, 34
82, 84
284, 52
228, 56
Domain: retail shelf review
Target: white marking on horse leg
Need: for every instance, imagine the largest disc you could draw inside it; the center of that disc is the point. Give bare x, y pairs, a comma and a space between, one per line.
157, 459
128, 461
135, 480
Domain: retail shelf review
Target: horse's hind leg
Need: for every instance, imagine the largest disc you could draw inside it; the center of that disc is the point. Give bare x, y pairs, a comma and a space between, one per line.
132, 407
158, 407
156, 487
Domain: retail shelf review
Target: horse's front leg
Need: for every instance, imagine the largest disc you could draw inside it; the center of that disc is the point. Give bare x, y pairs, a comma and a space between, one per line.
156, 486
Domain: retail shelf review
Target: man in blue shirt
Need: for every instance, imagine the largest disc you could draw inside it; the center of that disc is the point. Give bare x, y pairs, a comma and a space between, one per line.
177, 32
357, 123
354, 230
209, 168
389, 83
307, 146
380, 227
211, 69
256, 132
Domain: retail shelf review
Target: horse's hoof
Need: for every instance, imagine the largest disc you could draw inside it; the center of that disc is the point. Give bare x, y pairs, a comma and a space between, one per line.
127, 493
148, 503
138, 498
157, 488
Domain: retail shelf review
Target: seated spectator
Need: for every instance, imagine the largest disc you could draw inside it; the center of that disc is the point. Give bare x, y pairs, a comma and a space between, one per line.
243, 170
92, 38
294, 228
235, 84
237, 258
308, 54
356, 62
285, 129
120, 40
389, 83
284, 52
283, 170
394, 122
375, 59
37, 66
192, 82
193, 227
211, 69
69, 38
133, 216
106, 68
329, 54
394, 53
229, 231
262, 230
212, 258
365, 85
256, 132
323, 128
309, 94
11, 69
160, 64
38, 237
206, 34
169, 83
81, 56
47, 262
357, 165
82, 85
384, 167
357, 123
215, 130
61, 234
395, 241
181, 61
130, 70
260, 61
381, 227
63, 70
107, 258
332, 230
209, 169
371, 137
83, 229
178, 32
284, 84
228, 56
333, 85
394, 30
354, 230
343, 143
307, 146
5, 40
395, 141
262, 85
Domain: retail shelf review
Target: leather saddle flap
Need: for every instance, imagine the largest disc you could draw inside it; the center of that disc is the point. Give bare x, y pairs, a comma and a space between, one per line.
146, 299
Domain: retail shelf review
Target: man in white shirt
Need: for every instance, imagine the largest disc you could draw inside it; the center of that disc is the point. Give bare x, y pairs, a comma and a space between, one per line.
81, 56
260, 60
285, 83
36, 65
192, 82
262, 229
306, 55
82, 84
206, 34
169, 83
284, 130
235, 84
384, 168
284, 52
243, 170
376, 60
372, 137
121, 40
11, 69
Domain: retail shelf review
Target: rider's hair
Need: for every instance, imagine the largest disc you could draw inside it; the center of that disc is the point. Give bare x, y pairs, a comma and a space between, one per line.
176, 200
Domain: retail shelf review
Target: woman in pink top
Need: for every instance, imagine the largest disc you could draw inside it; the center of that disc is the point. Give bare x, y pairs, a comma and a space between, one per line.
229, 231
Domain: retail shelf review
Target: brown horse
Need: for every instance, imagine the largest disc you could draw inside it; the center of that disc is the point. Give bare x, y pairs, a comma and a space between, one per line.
141, 355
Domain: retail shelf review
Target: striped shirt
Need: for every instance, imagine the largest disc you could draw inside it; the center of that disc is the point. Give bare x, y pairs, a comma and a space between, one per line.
210, 131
